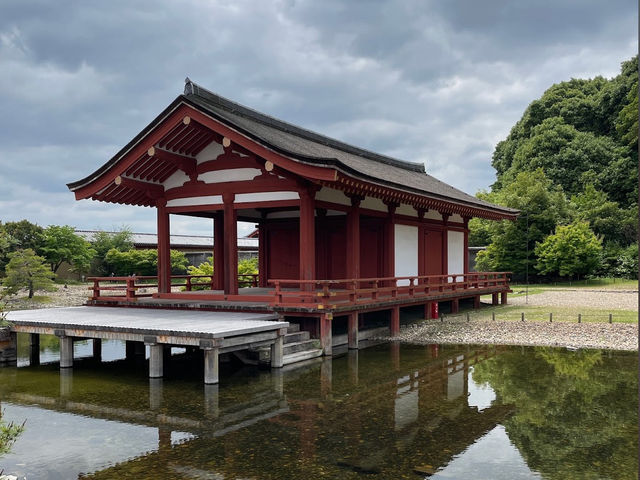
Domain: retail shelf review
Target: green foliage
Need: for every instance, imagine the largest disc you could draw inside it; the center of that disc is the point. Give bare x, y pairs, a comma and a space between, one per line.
579, 138
7, 245
143, 262
102, 242
27, 270
9, 433
513, 243
26, 235
575, 413
572, 250
61, 244
205, 268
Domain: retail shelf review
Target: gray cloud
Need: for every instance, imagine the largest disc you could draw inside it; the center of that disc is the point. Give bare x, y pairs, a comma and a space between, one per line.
427, 81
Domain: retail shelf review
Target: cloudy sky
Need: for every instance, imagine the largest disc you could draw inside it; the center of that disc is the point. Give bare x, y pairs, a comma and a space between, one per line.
433, 81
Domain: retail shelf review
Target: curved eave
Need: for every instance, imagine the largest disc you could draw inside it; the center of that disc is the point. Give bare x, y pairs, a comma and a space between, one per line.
99, 184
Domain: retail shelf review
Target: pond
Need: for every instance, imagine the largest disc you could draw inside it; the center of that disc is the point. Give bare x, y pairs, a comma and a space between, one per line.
386, 412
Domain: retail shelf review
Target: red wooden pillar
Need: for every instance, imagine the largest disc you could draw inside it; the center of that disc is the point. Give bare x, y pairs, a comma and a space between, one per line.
421, 253
353, 238
494, 299
395, 321
476, 302
503, 298
307, 236
326, 338
445, 244
389, 243
230, 245
218, 252
262, 255
164, 249
427, 311
466, 245
352, 331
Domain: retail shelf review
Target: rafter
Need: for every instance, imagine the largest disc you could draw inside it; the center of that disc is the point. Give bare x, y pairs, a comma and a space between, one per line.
187, 164
151, 190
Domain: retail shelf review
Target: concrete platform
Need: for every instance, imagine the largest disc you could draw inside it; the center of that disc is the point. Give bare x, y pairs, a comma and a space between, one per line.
214, 332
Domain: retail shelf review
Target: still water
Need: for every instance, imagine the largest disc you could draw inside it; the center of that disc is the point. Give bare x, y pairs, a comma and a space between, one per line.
386, 412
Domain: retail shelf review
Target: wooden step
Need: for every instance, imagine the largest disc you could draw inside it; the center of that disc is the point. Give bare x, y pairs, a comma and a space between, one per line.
296, 337
301, 356
294, 347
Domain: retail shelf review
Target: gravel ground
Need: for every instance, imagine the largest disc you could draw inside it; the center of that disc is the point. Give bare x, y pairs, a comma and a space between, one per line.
70, 296
605, 299
616, 336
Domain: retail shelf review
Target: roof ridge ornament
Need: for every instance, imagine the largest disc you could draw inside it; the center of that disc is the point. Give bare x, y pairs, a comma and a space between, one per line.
188, 87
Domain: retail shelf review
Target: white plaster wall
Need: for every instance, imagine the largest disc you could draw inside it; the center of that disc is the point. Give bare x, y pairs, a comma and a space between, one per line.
406, 251
408, 210
187, 202
266, 197
374, 204
456, 218
230, 175
210, 152
177, 179
455, 251
433, 215
332, 195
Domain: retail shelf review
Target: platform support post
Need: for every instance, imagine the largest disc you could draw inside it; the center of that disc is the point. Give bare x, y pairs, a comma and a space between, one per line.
503, 298
34, 349
97, 349
455, 305
156, 360
211, 365
476, 302
277, 350
66, 351
352, 332
494, 299
395, 321
326, 337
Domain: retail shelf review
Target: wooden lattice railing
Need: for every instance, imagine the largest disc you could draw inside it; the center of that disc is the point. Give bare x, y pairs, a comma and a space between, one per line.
321, 294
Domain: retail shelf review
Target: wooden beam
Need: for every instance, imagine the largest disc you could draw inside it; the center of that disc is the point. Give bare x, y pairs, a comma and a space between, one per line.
187, 164
153, 190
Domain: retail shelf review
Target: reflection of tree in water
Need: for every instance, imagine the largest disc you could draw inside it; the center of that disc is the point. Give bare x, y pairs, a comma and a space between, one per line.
576, 415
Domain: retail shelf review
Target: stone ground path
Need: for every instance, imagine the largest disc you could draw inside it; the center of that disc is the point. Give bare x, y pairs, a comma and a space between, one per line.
586, 298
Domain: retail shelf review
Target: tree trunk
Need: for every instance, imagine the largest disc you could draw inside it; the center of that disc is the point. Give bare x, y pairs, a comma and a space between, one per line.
30, 289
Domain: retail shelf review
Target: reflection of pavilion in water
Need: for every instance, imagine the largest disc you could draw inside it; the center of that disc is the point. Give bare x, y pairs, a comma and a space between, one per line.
352, 415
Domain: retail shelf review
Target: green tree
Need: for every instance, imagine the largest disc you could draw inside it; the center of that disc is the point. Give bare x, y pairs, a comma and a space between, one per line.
512, 243
27, 270
7, 245
572, 250
205, 268
143, 262
102, 242
26, 235
61, 244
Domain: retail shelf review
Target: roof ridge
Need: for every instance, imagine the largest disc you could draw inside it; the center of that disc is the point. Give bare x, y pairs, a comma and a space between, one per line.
192, 88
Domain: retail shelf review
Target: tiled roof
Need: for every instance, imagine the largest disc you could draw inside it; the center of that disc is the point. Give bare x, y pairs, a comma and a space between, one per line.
185, 241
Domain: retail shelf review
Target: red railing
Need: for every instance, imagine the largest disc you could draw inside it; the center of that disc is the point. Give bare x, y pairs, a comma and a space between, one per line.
118, 288
321, 294
329, 293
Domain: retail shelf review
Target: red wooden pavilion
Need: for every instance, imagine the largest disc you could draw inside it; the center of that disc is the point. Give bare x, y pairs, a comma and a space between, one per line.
342, 230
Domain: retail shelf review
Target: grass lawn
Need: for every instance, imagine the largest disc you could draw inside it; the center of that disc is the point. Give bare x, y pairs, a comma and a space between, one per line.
541, 314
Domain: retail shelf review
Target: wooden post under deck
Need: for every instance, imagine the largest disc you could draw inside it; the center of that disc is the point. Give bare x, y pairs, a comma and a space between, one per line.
503, 298
395, 321
164, 249
352, 331
211, 365
230, 245
326, 338
218, 252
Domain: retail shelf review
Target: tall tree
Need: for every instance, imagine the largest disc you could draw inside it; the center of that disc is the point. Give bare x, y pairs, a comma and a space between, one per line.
26, 235
61, 244
512, 243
